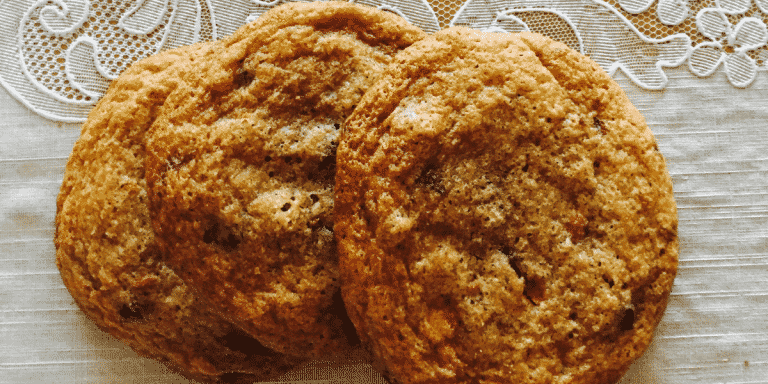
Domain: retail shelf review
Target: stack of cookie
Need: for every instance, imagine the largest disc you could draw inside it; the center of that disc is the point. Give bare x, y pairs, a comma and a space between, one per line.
463, 207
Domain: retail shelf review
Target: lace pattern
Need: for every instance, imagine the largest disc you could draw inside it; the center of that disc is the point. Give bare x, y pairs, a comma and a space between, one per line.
592, 27
58, 56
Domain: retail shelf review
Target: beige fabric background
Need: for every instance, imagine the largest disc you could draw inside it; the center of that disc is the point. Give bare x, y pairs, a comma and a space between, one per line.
715, 330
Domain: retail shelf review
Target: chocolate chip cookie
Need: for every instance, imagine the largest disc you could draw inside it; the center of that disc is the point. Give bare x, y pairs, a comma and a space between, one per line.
107, 251
503, 215
241, 166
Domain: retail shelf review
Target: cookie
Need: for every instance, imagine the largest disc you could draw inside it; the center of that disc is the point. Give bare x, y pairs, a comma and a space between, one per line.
107, 252
503, 215
241, 167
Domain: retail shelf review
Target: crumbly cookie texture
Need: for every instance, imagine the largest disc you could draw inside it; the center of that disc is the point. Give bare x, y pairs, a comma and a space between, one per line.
107, 251
503, 215
241, 168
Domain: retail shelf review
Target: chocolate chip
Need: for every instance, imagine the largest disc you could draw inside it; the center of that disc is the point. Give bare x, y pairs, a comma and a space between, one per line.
217, 233
136, 310
627, 320
131, 314
598, 125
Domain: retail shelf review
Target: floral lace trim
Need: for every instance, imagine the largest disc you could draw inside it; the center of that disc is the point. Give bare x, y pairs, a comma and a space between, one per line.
59, 56
629, 35
728, 32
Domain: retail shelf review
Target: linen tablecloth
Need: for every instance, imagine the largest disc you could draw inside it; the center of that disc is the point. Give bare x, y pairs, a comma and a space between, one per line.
706, 102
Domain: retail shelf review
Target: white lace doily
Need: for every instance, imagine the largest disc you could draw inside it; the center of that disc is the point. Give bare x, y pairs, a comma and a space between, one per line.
58, 56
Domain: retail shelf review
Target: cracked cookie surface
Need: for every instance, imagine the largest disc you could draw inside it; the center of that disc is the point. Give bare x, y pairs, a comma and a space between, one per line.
241, 168
503, 215
107, 251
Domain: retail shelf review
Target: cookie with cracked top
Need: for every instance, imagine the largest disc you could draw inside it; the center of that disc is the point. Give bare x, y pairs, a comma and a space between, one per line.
503, 215
107, 252
241, 168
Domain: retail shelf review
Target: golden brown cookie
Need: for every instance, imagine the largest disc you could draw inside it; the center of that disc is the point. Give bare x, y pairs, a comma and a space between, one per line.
241, 168
503, 215
107, 251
